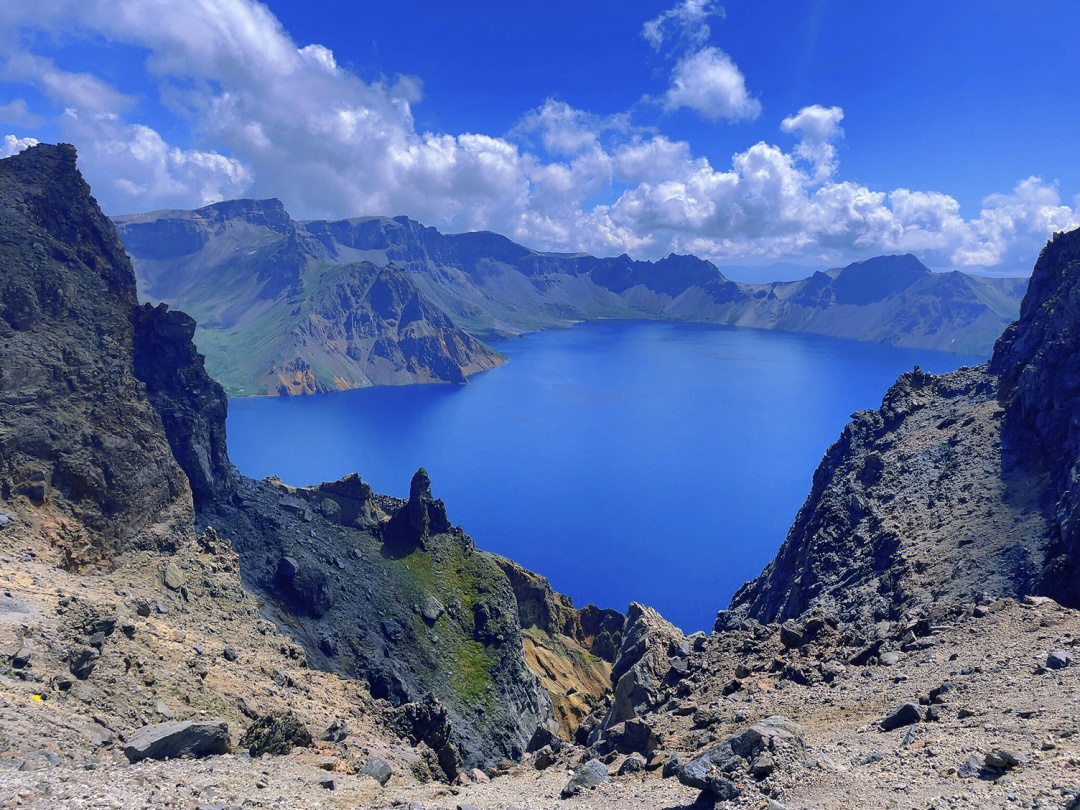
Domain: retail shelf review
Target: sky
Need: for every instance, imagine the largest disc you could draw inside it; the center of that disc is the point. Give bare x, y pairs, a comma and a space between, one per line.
748, 132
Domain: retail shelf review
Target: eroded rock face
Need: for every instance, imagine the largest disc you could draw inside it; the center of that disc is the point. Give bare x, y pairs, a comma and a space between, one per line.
1038, 359
192, 406
76, 427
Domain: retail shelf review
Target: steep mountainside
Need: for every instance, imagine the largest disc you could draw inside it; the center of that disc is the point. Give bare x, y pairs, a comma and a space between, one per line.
113, 439
249, 274
960, 485
76, 427
280, 312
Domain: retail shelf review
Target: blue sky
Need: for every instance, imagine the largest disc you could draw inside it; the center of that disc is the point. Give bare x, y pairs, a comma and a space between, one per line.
747, 132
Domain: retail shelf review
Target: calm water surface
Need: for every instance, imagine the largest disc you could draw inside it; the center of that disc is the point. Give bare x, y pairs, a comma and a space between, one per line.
656, 462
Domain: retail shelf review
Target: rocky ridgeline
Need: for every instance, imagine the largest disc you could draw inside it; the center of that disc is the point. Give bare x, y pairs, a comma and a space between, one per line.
77, 431
959, 486
292, 312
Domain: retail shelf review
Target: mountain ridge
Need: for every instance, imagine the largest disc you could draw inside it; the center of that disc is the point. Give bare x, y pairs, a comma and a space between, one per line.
489, 286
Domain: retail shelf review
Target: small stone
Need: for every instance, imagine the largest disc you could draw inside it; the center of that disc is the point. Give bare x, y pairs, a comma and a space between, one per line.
971, 767
545, 758
762, 766
1001, 759
889, 659
229, 653
336, 732
377, 769
792, 634
479, 776
173, 578
328, 783
82, 661
635, 763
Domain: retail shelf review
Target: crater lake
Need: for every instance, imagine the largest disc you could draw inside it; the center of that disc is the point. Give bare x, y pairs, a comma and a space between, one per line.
656, 461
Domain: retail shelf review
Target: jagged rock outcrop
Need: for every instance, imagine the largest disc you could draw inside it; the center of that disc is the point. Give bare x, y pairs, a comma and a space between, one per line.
570, 651
651, 658
192, 406
959, 486
77, 431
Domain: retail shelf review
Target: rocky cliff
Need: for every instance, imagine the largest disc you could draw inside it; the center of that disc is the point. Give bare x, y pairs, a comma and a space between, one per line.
960, 485
112, 438
78, 434
224, 263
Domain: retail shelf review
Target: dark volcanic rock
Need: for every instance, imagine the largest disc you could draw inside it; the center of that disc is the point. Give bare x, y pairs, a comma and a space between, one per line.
1038, 359
192, 406
76, 427
275, 734
177, 739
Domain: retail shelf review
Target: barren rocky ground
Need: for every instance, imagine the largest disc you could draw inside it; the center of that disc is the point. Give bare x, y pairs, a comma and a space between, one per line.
62, 737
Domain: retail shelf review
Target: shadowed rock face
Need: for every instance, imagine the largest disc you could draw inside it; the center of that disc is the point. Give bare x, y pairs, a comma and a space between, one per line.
1038, 360
192, 406
960, 484
77, 430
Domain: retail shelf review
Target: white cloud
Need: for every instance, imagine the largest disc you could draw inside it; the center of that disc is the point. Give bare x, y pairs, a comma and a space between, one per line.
818, 127
13, 145
709, 83
136, 161
270, 118
686, 23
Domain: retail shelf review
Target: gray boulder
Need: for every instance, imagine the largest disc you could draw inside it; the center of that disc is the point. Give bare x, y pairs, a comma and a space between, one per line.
377, 769
757, 745
1059, 659
589, 775
177, 739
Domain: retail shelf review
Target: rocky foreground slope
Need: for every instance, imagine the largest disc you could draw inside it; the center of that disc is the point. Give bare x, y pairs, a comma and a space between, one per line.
198, 639
248, 273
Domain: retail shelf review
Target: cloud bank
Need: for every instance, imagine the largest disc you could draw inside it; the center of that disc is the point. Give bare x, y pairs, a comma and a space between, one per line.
273, 117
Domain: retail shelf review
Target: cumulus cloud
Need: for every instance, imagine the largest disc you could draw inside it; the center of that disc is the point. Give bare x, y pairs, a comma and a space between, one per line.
708, 82
139, 164
269, 117
13, 145
818, 127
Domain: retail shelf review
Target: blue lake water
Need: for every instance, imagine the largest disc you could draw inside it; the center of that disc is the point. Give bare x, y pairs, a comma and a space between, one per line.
657, 462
